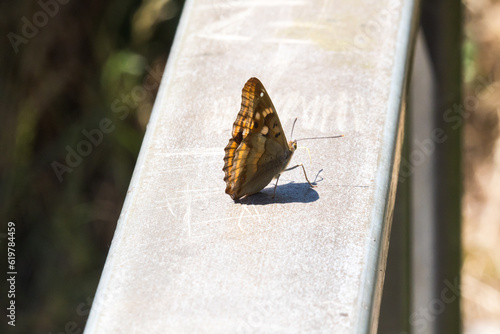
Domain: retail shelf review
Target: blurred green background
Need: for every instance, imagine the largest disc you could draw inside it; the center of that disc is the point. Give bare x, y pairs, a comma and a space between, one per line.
66, 67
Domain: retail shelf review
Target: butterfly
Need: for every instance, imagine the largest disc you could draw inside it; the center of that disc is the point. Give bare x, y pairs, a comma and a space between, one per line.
258, 150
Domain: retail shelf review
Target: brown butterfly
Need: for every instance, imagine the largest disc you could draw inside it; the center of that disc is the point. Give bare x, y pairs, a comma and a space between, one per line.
258, 150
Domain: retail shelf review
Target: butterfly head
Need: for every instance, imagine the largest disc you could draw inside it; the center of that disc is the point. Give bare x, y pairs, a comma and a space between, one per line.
292, 145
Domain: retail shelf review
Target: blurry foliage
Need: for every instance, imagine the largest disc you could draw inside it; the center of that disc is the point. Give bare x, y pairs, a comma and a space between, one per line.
481, 227
84, 61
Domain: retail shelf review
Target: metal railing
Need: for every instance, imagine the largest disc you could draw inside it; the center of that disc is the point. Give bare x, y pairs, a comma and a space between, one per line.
187, 258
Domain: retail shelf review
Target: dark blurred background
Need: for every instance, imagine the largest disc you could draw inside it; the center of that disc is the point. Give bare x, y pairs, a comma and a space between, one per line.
67, 67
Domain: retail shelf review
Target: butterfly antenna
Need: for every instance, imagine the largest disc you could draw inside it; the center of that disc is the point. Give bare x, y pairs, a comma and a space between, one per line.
320, 137
293, 126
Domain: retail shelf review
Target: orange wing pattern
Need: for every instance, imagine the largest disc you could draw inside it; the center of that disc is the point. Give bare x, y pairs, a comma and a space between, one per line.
258, 145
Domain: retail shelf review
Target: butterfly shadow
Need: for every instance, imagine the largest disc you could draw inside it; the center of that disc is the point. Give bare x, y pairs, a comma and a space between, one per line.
285, 193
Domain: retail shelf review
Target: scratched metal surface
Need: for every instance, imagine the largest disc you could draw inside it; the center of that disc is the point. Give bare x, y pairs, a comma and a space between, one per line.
185, 258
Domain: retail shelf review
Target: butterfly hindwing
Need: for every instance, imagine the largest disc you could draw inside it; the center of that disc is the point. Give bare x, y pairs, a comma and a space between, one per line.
258, 150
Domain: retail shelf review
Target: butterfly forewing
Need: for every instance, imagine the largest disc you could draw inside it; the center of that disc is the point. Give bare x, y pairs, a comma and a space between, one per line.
258, 150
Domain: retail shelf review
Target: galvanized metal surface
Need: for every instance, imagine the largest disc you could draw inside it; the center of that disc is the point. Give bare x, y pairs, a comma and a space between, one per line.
185, 258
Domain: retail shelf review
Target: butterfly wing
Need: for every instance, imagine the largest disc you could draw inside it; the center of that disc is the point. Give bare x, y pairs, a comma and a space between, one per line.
258, 150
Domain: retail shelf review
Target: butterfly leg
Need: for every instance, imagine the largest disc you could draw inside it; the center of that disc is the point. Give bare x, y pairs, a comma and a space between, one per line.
300, 165
277, 178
